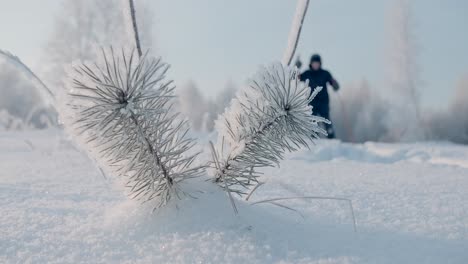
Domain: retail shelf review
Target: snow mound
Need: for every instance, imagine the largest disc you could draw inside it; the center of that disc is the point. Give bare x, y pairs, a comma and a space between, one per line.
370, 152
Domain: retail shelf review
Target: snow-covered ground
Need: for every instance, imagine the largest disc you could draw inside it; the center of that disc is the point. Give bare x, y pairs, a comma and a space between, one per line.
410, 203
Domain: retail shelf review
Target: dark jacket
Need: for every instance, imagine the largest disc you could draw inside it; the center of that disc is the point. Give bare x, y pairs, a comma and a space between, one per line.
320, 78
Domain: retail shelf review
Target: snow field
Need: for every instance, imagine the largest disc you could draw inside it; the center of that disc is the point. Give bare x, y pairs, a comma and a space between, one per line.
409, 202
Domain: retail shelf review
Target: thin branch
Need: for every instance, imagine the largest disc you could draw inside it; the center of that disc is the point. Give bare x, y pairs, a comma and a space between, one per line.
288, 208
17, 61
253, 190
295, 33
272, 200
135, 28
156, 159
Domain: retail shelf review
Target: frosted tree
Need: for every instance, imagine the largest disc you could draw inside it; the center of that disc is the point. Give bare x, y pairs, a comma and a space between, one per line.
192, 104
81, 27
9, 122
225, 96
452, 123
219, 105
458, 111
356, 121
270, 117
201, 110
403, 68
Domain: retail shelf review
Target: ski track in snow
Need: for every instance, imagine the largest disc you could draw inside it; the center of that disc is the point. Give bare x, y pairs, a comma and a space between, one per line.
410, 202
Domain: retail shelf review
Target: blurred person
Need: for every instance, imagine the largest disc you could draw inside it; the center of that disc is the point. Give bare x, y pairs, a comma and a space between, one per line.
320, 77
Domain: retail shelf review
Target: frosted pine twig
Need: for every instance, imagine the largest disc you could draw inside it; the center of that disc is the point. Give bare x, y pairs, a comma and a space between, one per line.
268, 119
123, 109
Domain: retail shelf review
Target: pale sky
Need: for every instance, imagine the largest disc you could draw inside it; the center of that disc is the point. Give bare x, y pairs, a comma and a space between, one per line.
213, 41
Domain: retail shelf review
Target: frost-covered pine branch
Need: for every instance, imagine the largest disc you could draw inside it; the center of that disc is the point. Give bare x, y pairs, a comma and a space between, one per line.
271, 117
123, 109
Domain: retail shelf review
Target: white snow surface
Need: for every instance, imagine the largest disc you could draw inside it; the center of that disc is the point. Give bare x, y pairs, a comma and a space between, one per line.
410, 202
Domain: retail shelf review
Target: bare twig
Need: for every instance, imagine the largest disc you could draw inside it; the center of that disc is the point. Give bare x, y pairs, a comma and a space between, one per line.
272, 200
253, 190
29, 143
135, 28
295, 33
287, 207
14, 59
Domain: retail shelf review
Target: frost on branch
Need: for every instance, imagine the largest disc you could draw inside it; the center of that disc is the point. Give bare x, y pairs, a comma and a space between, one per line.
123, 109
270, 118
